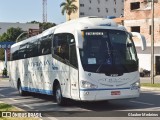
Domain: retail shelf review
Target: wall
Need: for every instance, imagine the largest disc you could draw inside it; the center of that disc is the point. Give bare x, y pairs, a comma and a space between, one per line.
25, 26
145, 29
144, 12
91, 9
142, 17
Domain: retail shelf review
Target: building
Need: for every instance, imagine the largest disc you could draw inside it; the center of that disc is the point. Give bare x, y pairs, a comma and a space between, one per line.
24, 26
101, 8
137, 15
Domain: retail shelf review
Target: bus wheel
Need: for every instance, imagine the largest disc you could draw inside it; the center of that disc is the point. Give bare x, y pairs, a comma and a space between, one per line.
58, 95
21, 92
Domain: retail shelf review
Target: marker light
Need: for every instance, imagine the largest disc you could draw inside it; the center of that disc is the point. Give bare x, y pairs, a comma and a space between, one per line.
135, 85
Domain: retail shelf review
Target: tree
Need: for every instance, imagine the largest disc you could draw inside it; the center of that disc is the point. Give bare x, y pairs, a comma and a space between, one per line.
69, 7
44, 26
11, 34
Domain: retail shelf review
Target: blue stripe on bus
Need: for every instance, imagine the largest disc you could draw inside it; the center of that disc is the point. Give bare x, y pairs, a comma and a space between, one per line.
48, 92
100, 89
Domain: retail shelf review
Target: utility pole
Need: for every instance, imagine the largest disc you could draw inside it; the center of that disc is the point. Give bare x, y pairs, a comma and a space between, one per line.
44, 15
152, 45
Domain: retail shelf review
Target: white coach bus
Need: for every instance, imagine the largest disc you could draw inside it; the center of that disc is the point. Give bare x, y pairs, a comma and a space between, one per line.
87, 59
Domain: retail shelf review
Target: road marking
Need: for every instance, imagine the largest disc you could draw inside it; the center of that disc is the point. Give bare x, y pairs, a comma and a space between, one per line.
28, 106
12, 99
142, 103
52, 118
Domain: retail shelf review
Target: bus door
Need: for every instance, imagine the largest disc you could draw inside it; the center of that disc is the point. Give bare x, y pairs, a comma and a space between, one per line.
73, 70
61, 56
65, 54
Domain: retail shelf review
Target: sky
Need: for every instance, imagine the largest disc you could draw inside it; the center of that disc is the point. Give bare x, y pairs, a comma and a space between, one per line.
28, 10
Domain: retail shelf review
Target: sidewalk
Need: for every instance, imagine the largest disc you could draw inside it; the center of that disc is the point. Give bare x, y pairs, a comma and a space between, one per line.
148, 79
150, 89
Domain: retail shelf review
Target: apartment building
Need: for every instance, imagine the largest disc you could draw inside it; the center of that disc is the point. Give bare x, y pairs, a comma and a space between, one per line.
101, 8
137, 15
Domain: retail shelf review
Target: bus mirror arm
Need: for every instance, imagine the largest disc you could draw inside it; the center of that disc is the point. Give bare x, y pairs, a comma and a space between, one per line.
141, 37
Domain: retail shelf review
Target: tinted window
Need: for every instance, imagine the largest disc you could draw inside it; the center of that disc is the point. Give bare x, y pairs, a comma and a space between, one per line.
14, 55
45, 45
108, 51
73, 56
65, 49
33, 49
72, 49
23, 53
61, 46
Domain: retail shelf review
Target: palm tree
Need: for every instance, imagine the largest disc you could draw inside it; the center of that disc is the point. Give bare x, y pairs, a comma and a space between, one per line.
69, 7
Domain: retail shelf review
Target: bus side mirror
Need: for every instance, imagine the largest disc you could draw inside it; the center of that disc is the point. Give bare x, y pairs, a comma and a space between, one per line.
142, 39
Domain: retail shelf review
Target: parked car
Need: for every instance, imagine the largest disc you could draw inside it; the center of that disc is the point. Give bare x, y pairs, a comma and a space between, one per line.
145, 73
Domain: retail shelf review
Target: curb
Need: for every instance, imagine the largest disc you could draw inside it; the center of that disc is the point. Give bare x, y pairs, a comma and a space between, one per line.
150, 88
19, 109
13, 106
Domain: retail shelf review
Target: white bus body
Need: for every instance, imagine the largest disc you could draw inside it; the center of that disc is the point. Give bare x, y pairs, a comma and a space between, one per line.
99, 62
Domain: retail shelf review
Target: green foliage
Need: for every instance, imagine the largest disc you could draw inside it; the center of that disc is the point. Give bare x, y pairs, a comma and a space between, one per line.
5, 107
11, 34
69, 7
2, 54
150, 85
44, 26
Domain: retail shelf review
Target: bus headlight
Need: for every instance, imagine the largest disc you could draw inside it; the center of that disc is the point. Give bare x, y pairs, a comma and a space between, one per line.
85, 84
135, 85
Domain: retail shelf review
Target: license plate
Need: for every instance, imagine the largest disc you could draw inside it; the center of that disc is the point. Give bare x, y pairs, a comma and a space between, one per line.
115, 92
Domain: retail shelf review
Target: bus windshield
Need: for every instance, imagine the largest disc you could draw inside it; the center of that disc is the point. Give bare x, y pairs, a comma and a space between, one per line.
108, 51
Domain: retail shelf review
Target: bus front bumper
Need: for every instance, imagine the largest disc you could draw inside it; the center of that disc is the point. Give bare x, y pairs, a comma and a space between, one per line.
104, 94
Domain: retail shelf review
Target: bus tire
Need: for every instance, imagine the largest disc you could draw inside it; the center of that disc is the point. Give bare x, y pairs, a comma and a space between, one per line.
58, 96
21, 92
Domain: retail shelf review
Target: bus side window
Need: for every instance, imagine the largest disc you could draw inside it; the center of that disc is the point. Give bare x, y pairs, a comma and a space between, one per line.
33, 49
61, 46
45, 45
14, 55
22, 53
72, 51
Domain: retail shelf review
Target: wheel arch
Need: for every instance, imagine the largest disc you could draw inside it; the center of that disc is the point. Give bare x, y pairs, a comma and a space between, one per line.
18, 82
55, 83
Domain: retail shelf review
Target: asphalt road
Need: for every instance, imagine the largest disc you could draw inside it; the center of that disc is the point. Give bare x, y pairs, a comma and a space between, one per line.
148, 101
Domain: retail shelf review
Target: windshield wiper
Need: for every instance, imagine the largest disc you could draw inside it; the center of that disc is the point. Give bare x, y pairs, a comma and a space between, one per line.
98, 69
108, 60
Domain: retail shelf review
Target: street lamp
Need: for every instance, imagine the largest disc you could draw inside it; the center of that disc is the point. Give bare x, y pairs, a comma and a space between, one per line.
17, 40
152, 45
